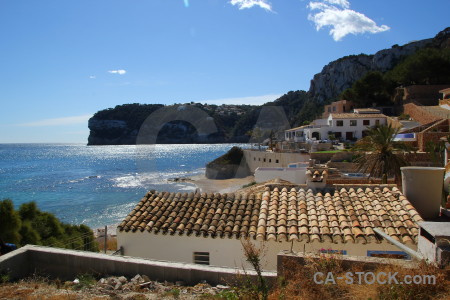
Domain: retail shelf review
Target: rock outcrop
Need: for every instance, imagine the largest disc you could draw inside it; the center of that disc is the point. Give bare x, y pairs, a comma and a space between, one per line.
340, 74
230, 165
110, 132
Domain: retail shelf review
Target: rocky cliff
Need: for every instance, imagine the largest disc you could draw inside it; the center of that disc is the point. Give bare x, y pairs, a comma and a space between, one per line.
121, 125
340, 74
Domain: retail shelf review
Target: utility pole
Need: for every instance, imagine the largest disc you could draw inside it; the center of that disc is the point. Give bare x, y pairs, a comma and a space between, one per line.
106, 237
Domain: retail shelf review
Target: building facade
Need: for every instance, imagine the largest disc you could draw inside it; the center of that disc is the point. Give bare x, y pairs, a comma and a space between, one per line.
209, 228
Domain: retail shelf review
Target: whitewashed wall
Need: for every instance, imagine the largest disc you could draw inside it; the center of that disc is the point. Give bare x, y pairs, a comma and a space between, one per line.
266, 159
224, 252
358, 129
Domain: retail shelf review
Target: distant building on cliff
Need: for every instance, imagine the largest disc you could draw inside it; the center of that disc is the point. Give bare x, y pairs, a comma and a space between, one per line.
337, 107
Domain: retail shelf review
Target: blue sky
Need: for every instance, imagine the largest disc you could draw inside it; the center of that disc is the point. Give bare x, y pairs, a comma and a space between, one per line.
62, 61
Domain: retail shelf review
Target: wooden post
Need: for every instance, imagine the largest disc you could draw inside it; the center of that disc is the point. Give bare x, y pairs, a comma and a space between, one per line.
106, 237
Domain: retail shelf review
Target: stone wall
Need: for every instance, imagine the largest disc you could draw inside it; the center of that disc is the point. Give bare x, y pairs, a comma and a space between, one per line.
395, 123
419, 114
423, 94
289, 262
424, 137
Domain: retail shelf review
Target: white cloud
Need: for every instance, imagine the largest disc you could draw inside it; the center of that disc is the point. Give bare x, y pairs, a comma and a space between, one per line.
342, 20
92, 77
83, 119
242, 4
253, 100
120, 72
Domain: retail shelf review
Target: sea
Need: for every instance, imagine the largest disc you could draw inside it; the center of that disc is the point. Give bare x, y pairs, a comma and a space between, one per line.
98, 185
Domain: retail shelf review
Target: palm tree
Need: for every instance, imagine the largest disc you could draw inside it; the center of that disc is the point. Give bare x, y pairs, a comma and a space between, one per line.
380, 154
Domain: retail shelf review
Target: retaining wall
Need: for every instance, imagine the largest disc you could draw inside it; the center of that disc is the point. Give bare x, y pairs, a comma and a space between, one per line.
68, 264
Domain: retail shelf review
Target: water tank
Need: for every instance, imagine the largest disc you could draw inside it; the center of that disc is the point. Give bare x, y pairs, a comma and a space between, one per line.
422, 186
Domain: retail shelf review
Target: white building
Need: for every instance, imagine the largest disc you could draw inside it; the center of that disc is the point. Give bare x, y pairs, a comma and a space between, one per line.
208, 228
344, 126
349, 126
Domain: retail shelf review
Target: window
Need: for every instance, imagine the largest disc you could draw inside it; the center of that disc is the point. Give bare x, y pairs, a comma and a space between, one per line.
338, 134
254, 158
329, 109
366, 122
377, 122
334, 108
352, 122
259, 158
201, 258
270, 160
389, 254
264, 160
277, 161
340, 123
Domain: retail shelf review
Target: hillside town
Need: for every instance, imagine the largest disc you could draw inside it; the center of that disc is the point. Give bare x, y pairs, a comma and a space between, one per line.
314, 197
363, 187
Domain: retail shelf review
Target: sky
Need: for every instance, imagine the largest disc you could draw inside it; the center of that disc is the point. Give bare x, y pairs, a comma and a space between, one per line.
62, 61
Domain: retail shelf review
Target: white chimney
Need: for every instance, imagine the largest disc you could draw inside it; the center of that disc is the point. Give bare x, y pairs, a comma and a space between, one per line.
422, 186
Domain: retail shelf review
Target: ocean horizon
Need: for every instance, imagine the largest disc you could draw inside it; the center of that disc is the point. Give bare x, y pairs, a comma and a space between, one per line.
98, 185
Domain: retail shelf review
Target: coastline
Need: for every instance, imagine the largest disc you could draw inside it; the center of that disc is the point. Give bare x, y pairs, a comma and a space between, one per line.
219, 185
204, 184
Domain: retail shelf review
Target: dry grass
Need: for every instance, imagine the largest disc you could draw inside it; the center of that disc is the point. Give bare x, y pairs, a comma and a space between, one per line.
299, 282
111, 244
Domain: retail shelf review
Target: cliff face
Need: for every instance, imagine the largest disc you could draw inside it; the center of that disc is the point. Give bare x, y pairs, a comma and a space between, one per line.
110, 132
342, 73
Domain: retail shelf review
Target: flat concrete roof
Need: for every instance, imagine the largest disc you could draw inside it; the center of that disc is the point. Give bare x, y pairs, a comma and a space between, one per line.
437, 229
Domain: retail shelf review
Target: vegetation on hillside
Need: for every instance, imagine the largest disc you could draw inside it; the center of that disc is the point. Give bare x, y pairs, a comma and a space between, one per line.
425, 67
29, 225
429, 65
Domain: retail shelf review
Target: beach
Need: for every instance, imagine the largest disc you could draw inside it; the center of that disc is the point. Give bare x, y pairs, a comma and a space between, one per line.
219, 185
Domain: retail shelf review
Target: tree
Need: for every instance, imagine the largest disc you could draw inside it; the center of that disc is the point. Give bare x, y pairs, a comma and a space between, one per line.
371, 88
380, 155
426, 66
9, 222
29, 225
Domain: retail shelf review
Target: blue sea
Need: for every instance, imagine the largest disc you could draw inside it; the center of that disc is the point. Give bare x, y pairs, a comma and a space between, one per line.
97, 185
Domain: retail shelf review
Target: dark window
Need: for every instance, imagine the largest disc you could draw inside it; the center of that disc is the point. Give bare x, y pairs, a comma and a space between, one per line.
353, 122
277, 161
366, 122
201, 258
264, 160
254, 158
270, 160
340, 123
338, 134
334, 108
259, 158
377, 122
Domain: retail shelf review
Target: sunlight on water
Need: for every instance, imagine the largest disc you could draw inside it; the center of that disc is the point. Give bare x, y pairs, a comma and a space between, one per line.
97, 185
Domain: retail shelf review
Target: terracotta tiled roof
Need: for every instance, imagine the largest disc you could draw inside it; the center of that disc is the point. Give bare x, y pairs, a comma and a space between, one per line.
356, 116
345, 215
316, 175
